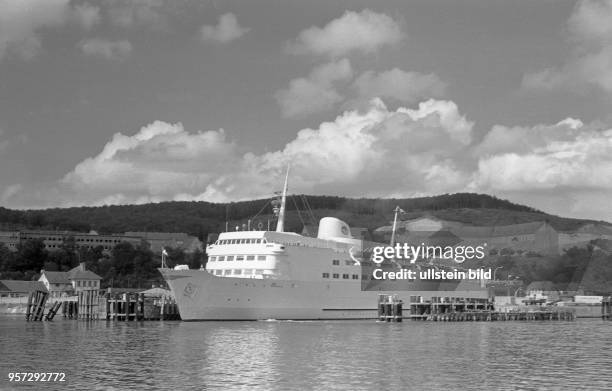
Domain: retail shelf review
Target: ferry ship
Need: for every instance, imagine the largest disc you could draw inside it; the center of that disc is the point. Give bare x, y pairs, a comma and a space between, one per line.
260, 275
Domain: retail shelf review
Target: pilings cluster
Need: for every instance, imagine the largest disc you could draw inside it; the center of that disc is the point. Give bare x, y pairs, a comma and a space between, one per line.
389, 308
93, 304
457, 309
36, 305
606, 308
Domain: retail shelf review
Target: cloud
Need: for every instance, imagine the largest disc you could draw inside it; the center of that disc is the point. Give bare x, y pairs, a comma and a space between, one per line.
374, 152
561, 168
21, 23
10, 142
135, 13
112, 50
364, 32
565, 155
226, 30
159, 162
406, 87
590, 28
85, 15
552, 167
316, 92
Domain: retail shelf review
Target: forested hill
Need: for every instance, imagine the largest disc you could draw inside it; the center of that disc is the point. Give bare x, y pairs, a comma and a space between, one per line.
201, 218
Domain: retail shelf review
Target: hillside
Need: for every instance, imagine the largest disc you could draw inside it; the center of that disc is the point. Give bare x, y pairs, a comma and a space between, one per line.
201, 218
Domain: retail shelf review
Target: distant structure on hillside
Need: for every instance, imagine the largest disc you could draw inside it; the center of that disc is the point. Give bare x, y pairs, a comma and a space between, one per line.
54, 240
160, 240
535, 237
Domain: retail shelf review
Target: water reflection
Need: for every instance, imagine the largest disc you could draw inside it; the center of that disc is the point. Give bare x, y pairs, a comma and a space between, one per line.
311, 355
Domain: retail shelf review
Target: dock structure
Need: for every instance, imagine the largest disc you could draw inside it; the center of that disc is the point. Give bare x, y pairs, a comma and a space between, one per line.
459, 309
606, 308
54, 308
36, 305
131, 306
88, 304
126, 306
390, 308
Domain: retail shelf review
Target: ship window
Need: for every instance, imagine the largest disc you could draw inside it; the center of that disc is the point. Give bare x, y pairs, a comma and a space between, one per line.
237, 272
335, 262
242, 241
226, 272
229, 258
336, 275
250, 257
258, 272
348, 263
248, 272
220, 258
212, 259
264, 240
345, 276
355, 276
240, 257
261, 257
325, 275
258, 241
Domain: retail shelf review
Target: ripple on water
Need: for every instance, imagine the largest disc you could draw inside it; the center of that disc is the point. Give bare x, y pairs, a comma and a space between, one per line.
312, 355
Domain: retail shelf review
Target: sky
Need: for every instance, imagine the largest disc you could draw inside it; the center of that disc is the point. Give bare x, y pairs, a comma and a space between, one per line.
123, 102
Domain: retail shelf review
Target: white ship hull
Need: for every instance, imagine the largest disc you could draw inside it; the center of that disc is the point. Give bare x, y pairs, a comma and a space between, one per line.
203, 296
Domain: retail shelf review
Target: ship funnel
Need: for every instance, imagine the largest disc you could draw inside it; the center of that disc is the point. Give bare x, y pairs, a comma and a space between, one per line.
331, 228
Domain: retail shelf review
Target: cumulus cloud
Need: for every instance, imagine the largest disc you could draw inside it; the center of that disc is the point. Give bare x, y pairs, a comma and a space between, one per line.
429, 149
158, 162
374, 152
226, 30
112, 50
406, 87
85, 15
364, 31
590, 27
21, 22
552, 167
315, 93
565, 155
135, 13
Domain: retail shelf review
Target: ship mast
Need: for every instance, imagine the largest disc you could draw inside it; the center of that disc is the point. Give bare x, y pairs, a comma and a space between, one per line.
396, 210
280, 226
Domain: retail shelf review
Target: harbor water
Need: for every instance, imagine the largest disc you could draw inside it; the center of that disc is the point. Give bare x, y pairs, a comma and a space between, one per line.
334, 355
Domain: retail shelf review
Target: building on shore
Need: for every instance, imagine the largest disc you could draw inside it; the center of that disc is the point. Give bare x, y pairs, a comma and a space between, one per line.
19, 288
75, 280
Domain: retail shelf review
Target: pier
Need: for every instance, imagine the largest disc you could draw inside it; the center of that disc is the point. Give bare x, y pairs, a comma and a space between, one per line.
458, 309
91, 305
389, 308
606, 308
